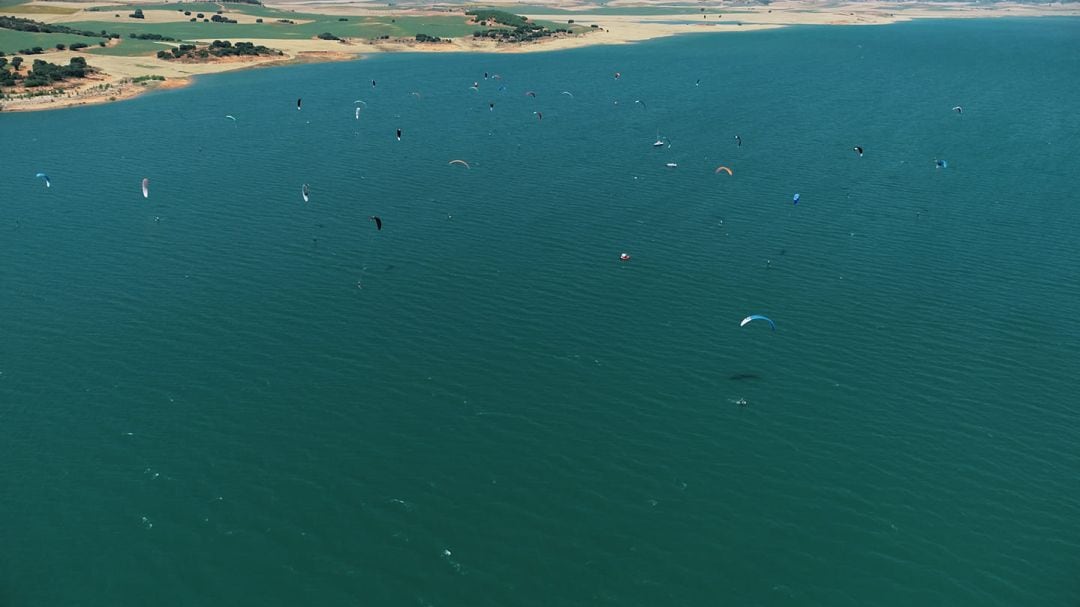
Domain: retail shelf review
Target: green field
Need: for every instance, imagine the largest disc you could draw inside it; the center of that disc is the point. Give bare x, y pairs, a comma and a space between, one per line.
11, 40
355, 27
443, 26
131, 48
199, 7
40, 9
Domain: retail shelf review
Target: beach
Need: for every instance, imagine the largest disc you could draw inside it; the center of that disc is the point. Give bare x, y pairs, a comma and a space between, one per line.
114, 78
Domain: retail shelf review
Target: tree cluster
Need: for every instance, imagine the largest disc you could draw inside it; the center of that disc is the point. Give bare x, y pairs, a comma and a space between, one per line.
217, 48
42, 73
484, 16
526, 33
152, 37
29, 25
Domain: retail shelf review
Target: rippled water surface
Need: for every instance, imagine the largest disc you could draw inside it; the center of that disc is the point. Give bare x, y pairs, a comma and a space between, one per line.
251, 400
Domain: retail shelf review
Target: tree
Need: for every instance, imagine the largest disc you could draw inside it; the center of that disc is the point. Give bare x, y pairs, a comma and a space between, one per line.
137, 14
3, 63
60, 47
16, 62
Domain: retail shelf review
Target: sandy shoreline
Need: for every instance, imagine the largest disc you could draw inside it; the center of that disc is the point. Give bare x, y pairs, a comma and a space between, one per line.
115, 79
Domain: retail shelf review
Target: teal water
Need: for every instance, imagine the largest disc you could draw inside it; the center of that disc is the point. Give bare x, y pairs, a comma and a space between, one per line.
207, 410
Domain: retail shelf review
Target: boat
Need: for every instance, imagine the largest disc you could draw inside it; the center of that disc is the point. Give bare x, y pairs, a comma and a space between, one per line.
659, 141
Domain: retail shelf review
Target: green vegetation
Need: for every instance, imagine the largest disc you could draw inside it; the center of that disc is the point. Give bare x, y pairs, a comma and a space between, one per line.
484, 16
17, 33
43, 73
273, 24
217, 48
248, 8
523, 29
129, 47
147, 78
37, 9
427, 38
286, 25
137, 14
29, 25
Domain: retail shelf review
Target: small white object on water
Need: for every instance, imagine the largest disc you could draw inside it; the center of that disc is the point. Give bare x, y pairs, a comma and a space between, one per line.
446, 552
